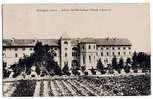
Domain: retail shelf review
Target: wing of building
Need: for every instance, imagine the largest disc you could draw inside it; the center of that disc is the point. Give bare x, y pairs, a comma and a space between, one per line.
71, 51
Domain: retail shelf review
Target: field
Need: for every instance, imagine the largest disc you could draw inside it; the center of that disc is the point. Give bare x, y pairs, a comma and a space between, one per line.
80, 86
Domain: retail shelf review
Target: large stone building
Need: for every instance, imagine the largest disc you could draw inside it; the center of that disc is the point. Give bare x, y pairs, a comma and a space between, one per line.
71, 51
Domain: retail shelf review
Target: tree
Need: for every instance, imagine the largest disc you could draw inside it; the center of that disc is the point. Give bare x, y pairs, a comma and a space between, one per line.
42, 58
121, 63
6, 72
114, 63
128, 61
134, 59
75, 72
66, 70
93, 71
83, 68
143, 60
127, 65
100, 66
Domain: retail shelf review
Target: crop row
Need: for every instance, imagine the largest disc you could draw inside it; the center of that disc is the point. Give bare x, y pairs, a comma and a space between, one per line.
83, 86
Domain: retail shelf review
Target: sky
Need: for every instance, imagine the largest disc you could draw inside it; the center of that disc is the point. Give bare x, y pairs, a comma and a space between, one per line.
48, 21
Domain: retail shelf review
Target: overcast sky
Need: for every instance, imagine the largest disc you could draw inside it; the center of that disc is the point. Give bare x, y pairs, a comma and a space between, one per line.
98, 20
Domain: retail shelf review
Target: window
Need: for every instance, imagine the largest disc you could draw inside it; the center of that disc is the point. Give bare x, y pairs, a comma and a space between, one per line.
16, 49
124, 53
89, 59
65, 42
16, 55
74, 48
23, 49
107, 48
118, 48
124, 48
23, 54
106, 60
4, 49
107, 54
65, 48
113, 54
31, 49
101, 53
74, 54
55, 54
129, 48
113, 48
83, 59
101, 48
4, 55
118, 53
89, 47
65, 54
129, 53
65, 63
83, 47
94, 46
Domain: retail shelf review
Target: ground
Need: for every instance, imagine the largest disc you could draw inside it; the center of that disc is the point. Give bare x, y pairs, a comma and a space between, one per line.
80, 86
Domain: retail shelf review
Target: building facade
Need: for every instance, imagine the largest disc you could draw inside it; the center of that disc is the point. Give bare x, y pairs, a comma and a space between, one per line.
71, 51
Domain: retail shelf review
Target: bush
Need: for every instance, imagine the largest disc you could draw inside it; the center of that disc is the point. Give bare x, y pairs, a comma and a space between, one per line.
127, 69
119, 71
135, 70
103, 72
111, 71
86, 73
93, 71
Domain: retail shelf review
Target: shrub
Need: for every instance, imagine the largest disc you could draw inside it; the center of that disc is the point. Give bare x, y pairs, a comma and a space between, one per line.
103, 72
127, 69
93, 71
135, 70
86, 73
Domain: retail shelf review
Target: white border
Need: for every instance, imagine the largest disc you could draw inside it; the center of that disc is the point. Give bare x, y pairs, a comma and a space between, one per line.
77, 1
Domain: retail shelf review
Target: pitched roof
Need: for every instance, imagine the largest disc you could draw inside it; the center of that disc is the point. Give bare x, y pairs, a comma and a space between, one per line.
29, 42
88, 40
113, 41
65, 36
75, 41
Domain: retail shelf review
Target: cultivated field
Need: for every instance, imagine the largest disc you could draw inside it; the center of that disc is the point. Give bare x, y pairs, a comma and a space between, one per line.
80, 86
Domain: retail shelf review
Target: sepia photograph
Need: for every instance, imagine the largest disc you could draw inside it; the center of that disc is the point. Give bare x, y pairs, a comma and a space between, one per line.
58, 50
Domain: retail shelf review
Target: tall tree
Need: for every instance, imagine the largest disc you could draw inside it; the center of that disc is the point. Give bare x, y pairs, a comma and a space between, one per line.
121, 63
66, 70
100, 66
134, 59
128, 61
114, 63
